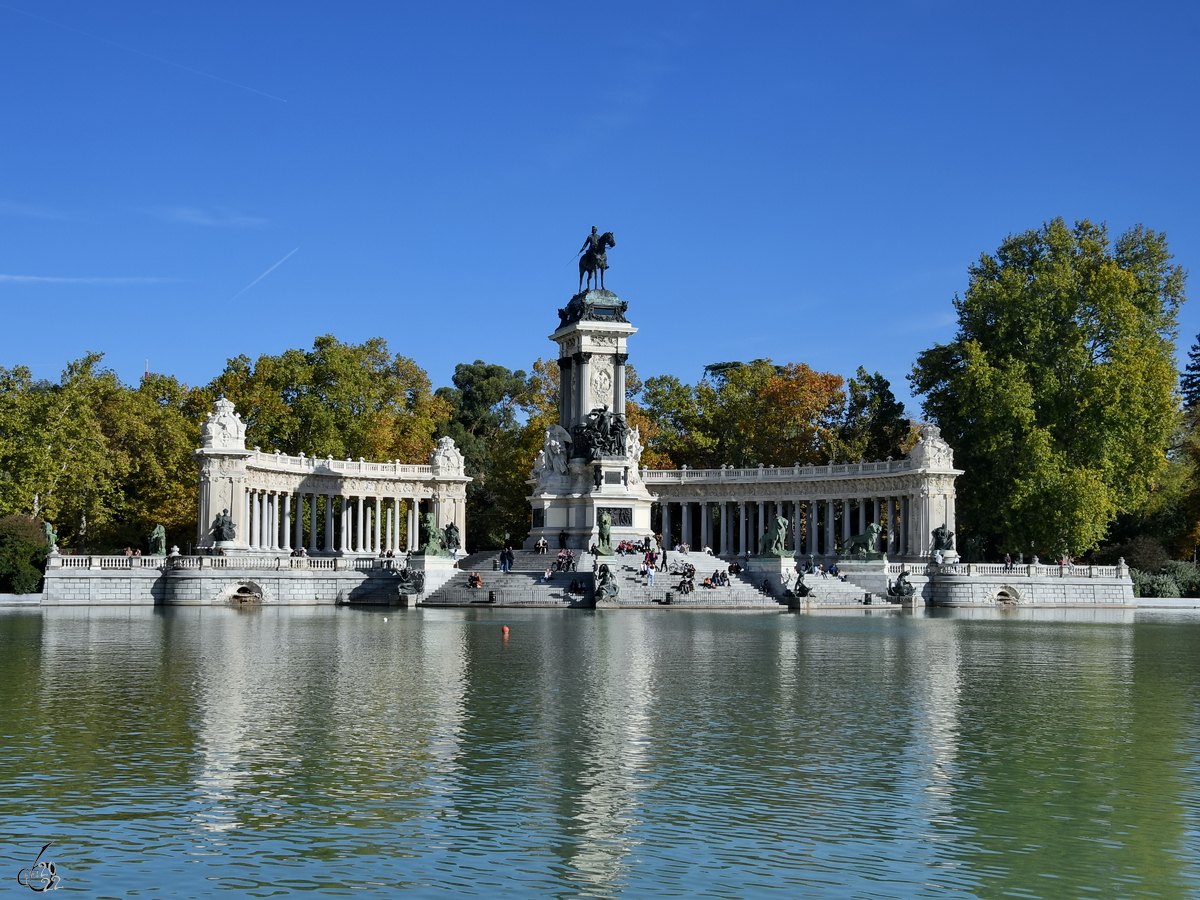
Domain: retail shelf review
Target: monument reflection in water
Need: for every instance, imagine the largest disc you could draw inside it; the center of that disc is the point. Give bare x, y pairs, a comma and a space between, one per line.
1047, 753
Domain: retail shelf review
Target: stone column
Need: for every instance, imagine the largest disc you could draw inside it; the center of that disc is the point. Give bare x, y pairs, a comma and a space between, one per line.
619, 361
810, 541
762, 526
795, 526
248, 518
564, 393
259, 531
412, 523
584, 386
287, 523
828, 549
685, 522
328, 523
862, 515
845, 521
358, 527
343, 543
741, 548
312, 523
378, 510
666, 524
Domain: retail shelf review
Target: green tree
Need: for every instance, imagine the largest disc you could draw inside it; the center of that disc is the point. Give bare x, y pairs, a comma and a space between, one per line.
1057, 392
744, 414
344, 400
482, 421
22, 554
875, 426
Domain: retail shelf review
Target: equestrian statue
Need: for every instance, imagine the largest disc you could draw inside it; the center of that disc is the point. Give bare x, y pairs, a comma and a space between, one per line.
595, 258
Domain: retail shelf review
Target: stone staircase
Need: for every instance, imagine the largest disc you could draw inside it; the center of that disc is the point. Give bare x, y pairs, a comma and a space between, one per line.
637, 591
520, 587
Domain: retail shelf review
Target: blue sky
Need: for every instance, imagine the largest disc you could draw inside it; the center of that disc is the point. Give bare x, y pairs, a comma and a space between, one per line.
805, 182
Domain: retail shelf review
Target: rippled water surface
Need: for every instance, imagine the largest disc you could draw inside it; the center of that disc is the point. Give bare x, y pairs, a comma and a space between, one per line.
188, 752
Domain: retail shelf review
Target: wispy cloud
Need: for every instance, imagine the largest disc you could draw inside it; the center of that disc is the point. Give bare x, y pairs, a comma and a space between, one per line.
166, 62
221, 218
29, 211
55, 279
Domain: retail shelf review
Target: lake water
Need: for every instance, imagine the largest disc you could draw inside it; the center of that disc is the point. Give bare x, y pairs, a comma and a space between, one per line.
266, 752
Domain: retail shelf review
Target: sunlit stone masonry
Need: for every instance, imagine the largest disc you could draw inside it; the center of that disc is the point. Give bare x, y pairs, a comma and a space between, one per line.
328, 506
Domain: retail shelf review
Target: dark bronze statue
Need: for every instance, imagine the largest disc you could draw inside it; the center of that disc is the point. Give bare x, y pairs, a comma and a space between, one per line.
410, 581
223, 527
595, 258
607, 587
943, 538
602, 434
902, 588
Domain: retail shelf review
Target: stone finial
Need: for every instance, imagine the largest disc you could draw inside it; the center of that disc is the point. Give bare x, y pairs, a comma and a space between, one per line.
446, 458
931, 450
223, 429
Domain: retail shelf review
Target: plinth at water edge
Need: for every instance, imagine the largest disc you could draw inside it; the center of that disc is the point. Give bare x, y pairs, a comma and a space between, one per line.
588, 465
780, 571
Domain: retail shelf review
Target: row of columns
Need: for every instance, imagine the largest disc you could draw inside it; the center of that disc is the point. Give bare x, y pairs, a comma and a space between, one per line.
735, 527
275, 520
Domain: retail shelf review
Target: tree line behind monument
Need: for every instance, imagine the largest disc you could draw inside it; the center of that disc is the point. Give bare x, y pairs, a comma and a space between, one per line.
1059, 394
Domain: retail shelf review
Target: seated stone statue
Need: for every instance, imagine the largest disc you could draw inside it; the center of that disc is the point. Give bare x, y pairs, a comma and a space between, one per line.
223, 528
943, 538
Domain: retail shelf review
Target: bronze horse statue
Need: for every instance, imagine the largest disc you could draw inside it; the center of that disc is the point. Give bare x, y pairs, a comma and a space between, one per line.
595, 260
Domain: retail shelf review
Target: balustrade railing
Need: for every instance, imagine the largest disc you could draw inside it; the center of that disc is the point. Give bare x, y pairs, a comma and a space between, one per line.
1028, 570
259, 459
774, 473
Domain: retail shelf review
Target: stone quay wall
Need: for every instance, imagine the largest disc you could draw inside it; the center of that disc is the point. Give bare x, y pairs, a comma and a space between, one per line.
202, 580
994, 584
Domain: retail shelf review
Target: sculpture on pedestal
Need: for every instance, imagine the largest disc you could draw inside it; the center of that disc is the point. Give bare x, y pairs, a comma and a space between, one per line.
595, 257
453, 538
943, 538
902, 588
774, 541
864, 544
433, 539
223, 528
51, 535
602, 434
158, 541
606, 584
605, 544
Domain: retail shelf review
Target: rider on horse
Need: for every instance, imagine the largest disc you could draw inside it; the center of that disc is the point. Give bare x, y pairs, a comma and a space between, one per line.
595, 259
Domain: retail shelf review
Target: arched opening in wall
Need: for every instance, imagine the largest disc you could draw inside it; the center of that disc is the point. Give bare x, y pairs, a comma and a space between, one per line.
245, 592
1006, 596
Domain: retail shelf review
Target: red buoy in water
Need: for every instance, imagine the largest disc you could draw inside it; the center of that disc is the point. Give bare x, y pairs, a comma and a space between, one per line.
504, 631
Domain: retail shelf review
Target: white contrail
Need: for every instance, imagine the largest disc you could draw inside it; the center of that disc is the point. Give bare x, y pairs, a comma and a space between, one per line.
96, 37
52, 279
262, 276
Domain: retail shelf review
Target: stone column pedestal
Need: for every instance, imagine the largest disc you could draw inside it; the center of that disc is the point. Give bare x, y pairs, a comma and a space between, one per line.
775, 569
868, 573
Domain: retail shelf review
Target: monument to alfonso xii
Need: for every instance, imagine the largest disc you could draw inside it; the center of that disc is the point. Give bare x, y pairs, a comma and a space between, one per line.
586, 485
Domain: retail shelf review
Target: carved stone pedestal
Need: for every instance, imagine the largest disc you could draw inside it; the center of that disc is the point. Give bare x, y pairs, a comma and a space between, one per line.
589, 462
778, 570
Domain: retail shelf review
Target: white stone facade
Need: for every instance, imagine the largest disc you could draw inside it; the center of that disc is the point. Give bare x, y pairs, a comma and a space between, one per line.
729, 509
280, 503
